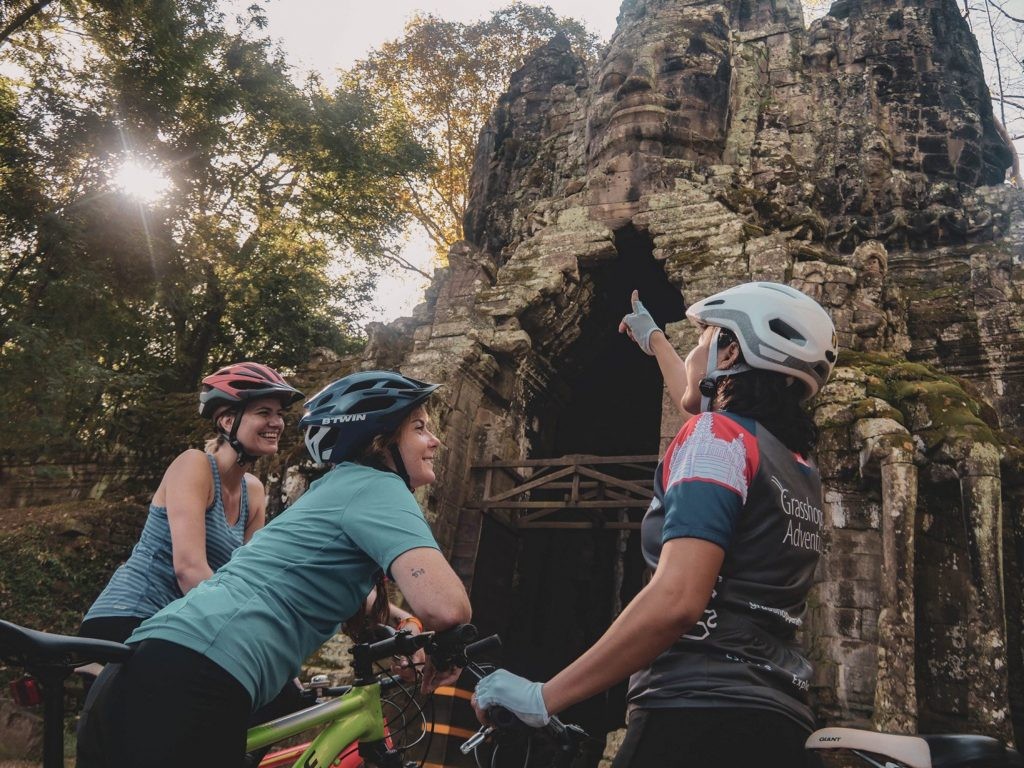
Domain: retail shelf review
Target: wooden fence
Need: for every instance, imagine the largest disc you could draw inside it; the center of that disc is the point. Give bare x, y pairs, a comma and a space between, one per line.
575, 491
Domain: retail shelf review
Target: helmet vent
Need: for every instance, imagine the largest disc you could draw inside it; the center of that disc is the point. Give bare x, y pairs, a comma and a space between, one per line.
714, 302
241, 384
371, 404
786, 331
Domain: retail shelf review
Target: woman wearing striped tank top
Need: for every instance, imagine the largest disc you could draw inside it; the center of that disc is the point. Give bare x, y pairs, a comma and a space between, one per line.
206, 506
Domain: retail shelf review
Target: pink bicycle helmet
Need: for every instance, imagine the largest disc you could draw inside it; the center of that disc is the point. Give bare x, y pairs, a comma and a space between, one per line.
233, 385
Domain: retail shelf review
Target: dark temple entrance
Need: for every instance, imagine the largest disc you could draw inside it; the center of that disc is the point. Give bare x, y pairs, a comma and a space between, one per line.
575, 572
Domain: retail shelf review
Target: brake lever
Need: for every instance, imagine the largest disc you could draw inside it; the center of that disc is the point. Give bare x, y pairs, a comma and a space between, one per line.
477, 670
476, 739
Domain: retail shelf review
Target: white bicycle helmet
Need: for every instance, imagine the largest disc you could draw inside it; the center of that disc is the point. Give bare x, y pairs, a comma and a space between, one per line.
778, 329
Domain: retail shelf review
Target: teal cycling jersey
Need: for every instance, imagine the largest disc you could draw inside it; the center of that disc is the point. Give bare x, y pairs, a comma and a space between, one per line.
287, 591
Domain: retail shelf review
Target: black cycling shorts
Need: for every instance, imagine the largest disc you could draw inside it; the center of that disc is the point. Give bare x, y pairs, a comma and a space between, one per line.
165, 707
737, 737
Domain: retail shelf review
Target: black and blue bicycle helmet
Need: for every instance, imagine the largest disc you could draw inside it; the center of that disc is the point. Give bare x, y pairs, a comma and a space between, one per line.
343, 417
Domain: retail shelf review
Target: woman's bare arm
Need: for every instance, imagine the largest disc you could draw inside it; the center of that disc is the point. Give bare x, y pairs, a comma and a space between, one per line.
430, 586
188, 487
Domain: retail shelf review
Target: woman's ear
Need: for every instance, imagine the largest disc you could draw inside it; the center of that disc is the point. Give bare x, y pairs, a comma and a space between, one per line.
728, 357
225, 422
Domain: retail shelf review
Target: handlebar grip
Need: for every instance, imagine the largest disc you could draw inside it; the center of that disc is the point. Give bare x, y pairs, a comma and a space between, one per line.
454, 637
481, 647
503, 719
447, 649
402, 643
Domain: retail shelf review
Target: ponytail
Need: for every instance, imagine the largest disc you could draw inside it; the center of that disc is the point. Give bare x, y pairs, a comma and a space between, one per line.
359, 626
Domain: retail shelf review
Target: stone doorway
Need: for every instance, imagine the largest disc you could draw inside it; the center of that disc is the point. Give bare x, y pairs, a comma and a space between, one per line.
604, 399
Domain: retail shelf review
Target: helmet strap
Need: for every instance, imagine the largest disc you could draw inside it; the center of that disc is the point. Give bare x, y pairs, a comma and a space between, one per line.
400, 470
709, 384
244, 457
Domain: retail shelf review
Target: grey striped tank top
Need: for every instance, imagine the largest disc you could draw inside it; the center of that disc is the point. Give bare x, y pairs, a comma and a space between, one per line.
145, 583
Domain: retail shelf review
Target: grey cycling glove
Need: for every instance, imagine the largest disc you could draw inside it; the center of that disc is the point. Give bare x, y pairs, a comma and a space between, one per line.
521, 697
641, 326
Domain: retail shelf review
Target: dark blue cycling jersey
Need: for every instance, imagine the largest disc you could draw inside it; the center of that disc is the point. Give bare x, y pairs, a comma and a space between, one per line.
727, 480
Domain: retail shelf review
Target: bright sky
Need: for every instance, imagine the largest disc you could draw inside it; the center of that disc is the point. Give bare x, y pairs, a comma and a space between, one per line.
323, 35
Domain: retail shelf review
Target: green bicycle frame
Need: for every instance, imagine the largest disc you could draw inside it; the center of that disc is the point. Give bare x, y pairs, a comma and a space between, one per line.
356, 716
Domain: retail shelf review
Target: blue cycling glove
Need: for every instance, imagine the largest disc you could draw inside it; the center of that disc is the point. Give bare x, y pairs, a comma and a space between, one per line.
641, 326
521, 697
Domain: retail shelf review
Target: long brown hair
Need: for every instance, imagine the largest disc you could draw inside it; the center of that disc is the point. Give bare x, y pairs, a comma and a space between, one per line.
359, 626
770, 398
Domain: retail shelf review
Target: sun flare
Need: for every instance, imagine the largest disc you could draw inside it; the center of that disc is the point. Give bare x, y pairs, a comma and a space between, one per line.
142, 181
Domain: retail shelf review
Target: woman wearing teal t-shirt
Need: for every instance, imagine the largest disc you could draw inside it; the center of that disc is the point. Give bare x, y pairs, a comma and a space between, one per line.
205, 661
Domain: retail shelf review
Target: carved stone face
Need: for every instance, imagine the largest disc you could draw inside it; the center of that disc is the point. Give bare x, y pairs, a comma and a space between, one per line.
663, 86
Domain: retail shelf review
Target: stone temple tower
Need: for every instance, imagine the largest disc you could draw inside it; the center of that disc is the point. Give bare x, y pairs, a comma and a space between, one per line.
716, 142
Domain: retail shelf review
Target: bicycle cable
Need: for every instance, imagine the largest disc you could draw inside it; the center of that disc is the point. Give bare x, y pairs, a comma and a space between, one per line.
400, 711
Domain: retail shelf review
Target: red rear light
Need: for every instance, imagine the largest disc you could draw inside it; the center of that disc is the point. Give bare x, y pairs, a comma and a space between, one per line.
26, 692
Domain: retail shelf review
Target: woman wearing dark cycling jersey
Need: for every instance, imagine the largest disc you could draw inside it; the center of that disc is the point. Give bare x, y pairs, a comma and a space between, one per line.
203, 662
733, 536
206, 505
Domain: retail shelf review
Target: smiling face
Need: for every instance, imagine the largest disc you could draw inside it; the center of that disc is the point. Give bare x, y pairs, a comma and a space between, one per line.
417, 447
261, 426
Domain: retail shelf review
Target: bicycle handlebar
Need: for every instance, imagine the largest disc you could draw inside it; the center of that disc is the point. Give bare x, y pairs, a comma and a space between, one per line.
457, 636
480, 647
567, 737
450, 648
446, 648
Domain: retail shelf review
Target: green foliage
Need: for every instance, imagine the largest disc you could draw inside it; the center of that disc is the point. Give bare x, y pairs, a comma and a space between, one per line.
283, 201
55, 560
445, 77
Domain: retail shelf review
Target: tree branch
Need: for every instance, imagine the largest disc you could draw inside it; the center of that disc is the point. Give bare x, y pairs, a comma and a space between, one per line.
22, 18
401, 261
434, 230
1007, 15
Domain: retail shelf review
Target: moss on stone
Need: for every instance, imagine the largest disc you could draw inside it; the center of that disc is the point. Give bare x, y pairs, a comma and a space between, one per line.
875, 408
934, 406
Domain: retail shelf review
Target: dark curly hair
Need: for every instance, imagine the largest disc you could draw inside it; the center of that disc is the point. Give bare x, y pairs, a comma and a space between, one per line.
770, 398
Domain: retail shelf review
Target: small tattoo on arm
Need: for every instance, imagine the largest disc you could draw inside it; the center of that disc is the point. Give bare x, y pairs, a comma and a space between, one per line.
417, 572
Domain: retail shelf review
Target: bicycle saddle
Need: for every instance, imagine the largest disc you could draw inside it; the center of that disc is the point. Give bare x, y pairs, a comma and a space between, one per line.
913, 751
27, 647
951, 751
931, 751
